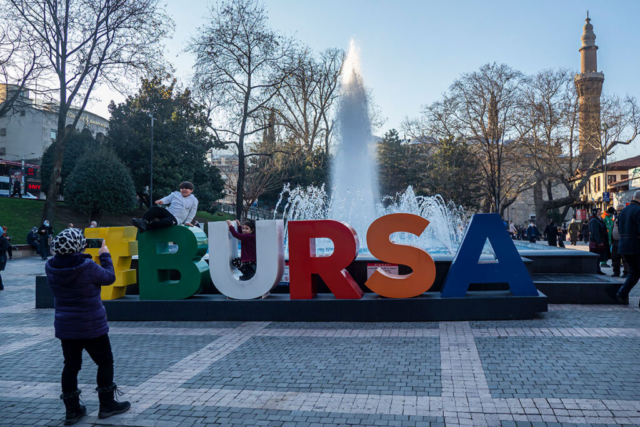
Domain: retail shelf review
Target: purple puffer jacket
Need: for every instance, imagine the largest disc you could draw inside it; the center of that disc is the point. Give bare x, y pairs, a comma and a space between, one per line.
75, 281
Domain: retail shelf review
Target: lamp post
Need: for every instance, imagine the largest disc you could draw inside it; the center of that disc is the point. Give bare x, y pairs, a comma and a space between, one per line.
151, 169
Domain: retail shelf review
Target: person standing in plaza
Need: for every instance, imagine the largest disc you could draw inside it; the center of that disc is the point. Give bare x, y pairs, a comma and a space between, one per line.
9, 238
607, 217
585, 232
532, 232
551, 233
16, 189
45, 232
629, 245
4, 245
574, 232
81, 320
598, 238
616, 258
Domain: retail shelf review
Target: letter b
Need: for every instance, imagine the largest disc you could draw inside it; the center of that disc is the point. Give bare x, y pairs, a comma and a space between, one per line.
156, 263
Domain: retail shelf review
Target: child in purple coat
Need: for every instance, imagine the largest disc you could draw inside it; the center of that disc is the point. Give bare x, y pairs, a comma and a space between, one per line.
247, 261
81, 320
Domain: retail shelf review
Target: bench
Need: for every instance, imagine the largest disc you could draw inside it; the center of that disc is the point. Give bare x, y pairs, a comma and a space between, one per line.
23, 251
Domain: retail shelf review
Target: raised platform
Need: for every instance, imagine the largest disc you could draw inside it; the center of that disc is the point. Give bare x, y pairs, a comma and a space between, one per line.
577, 288
484, 305
491, 305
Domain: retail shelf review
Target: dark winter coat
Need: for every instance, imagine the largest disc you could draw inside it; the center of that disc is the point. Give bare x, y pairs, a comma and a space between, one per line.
532, 233
598, 231
76, 281
574, 231
551, 233
4, 247
585, 230
629, 227
45, 230
32, 238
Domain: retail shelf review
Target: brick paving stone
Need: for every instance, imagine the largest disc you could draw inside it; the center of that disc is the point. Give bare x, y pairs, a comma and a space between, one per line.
561, 367
394, 366
574, 365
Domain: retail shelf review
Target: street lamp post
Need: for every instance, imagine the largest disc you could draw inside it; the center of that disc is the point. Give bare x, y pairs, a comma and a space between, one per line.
151, 169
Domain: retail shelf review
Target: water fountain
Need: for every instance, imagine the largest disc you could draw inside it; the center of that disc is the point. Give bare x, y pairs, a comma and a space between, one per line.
354, 196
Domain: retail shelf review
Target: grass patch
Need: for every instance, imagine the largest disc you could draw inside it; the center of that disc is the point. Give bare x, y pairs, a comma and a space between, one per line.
21, 215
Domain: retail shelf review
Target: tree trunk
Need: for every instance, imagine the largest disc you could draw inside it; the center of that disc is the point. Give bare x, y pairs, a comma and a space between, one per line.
240, 183
541, 211
49, 211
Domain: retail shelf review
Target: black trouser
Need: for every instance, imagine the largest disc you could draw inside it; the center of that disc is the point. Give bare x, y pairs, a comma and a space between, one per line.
16, 191
44, 247
99, 350
634, 273
164, 217
617, 260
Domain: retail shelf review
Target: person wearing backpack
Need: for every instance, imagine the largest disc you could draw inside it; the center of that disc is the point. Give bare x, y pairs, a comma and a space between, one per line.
616, 258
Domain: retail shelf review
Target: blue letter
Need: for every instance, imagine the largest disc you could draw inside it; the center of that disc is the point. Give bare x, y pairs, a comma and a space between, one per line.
465, 268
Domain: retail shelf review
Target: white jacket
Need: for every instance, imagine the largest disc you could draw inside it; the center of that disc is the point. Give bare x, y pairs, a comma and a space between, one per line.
183, 208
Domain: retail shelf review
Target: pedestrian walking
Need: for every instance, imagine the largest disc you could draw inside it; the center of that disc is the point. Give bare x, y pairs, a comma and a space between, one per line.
81, 321
629, 245
532, 232
585, 232
562, 233
16, 189
598, 238
551, 233
574, 232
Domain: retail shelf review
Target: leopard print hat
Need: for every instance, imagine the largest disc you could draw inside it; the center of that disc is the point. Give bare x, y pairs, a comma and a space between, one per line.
69, 241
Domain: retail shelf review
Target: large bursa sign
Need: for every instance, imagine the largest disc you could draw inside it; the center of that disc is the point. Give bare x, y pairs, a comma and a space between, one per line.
156, 261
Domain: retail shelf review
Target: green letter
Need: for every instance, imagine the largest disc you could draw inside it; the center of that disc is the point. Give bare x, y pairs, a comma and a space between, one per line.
156, 263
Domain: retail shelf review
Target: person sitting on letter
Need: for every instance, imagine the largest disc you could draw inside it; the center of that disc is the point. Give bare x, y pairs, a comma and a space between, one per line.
182, 208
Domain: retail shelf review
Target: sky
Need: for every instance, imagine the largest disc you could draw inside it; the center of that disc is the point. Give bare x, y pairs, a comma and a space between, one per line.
412, 50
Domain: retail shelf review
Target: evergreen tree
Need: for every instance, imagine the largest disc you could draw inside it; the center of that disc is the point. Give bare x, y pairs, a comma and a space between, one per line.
98, 183
399, 164
455, 174
77, 145
181, 141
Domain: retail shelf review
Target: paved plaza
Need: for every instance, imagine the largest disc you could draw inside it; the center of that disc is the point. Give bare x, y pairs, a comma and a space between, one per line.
575, 365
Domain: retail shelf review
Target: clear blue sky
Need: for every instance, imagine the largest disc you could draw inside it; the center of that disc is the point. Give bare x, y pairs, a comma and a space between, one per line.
411, 51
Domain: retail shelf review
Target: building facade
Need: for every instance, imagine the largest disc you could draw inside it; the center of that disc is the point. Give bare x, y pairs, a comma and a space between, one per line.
31, 127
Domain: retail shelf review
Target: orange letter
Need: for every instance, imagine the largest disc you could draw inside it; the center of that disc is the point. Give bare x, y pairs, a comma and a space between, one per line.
381, 247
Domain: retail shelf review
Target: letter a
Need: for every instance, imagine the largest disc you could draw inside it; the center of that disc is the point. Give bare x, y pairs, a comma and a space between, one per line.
509, 267
156, 262
305, 266
270, 259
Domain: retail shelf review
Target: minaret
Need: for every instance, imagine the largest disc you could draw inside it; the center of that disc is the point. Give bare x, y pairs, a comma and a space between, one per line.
589, 87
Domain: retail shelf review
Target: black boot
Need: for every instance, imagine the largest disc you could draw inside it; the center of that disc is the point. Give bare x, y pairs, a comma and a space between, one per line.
75, 410
109, 406
141, 224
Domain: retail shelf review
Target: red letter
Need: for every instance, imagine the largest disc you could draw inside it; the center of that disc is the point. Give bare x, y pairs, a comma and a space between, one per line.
381, 247
304, 265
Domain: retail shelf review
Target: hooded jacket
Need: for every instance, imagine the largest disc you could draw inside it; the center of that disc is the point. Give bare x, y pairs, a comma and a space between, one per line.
76, 281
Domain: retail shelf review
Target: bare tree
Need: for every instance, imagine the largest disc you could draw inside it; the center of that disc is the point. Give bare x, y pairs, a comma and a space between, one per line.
88, 43
480, 108
20, 66
547, 124
241, 64
307, 96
